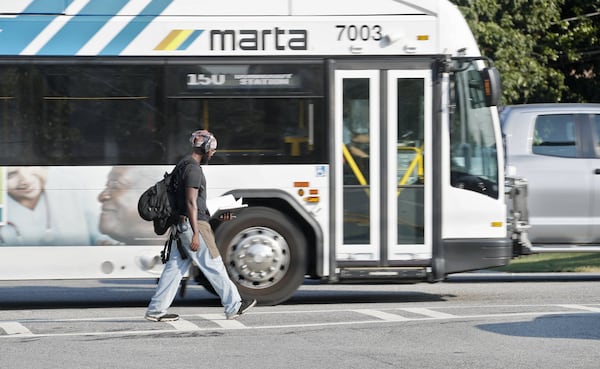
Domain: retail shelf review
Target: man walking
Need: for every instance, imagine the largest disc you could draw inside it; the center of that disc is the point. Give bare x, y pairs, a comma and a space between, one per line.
197, 239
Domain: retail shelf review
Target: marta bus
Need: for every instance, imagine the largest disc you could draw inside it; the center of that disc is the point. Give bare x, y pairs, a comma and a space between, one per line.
362, 136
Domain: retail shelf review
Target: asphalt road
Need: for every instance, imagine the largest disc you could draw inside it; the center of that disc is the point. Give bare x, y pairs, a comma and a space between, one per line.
473, 320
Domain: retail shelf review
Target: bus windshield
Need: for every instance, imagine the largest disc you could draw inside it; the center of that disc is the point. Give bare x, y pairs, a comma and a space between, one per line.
474, 162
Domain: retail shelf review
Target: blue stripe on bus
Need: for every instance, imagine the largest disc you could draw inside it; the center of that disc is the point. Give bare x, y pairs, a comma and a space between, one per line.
18, 32
104, 7
80, 29
74, 35
135, 27
47, 7
191, 38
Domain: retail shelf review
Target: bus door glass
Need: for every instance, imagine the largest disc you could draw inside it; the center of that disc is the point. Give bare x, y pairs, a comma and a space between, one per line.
408, 191
382, 212
357, 148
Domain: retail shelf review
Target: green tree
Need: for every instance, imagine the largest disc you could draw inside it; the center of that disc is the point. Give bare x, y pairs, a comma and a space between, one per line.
544, 49
580, 34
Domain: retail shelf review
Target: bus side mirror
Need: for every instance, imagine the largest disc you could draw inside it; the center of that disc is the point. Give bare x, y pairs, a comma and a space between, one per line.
491, 86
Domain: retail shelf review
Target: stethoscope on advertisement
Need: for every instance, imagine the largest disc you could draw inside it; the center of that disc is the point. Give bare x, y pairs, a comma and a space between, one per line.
14, 227
48, 233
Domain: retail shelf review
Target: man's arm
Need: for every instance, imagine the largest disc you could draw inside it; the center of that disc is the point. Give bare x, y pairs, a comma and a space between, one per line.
191, 195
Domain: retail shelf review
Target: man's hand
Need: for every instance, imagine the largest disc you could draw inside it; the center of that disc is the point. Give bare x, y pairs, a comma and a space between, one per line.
195, 244
226, 216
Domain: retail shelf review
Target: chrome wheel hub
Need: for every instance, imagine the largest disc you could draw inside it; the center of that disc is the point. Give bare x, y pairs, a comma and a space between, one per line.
258, 257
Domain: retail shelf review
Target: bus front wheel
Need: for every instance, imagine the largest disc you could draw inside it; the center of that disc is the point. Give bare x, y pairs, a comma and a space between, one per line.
264, 253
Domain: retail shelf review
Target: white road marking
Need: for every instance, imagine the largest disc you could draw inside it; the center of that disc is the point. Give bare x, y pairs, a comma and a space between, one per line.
15, 328
430, 313
222, 321
382, 315
581, 307
184, 325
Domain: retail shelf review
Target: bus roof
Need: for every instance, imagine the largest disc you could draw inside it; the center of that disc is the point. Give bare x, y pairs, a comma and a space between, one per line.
232, 28
221, 7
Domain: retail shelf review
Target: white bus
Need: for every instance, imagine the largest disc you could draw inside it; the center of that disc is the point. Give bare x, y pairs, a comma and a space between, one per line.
363, 136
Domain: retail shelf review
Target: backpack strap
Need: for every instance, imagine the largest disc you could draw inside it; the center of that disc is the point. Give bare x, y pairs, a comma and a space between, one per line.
181, 249
183, 172
178, 174
165, 254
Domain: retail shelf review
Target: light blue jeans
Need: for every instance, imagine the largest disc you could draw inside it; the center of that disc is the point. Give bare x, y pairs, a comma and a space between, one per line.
213, 269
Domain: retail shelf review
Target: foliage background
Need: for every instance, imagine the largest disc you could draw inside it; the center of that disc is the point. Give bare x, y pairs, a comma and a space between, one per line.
545, 50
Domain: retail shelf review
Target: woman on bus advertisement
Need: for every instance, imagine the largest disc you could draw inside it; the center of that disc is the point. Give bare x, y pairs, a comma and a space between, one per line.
38, 214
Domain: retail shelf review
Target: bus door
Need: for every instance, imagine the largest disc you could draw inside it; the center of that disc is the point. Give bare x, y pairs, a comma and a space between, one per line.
382, 120
409, 115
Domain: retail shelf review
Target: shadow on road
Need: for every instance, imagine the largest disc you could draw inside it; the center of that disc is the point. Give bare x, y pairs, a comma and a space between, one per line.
491, 276
573, 326
92, 294
128, 293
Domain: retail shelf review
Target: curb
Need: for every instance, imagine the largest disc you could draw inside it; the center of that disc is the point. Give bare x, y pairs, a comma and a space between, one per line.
490, 276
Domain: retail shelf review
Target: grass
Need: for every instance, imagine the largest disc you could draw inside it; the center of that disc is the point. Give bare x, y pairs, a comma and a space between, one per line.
554, 262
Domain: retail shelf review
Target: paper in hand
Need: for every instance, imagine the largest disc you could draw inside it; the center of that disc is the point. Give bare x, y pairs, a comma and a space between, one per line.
222, 204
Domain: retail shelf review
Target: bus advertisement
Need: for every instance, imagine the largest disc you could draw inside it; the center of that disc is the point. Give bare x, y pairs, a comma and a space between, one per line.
362, 136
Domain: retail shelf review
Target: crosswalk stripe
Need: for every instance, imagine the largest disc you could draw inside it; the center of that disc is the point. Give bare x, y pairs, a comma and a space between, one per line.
428, 312
184, 325
14, 328
382, 315
222, 321
581, 307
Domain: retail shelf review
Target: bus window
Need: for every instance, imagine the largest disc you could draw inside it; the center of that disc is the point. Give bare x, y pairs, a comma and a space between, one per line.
474, 163
410, 146
62, 114
113, 113
356, 162
17, 116
100, 114
411, 131
256, 130
261, 113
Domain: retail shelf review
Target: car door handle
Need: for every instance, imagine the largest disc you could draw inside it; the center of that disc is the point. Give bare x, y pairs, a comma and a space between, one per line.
597, 171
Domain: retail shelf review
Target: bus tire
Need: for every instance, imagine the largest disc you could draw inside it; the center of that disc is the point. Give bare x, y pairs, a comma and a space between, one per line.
264, 253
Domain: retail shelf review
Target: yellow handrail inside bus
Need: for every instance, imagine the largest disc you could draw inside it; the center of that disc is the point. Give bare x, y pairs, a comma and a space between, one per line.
353, 166
416, 161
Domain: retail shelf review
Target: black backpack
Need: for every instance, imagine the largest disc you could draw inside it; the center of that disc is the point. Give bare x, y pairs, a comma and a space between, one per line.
159, 204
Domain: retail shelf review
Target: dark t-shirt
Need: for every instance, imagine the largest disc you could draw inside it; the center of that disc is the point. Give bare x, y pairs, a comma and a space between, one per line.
192, 176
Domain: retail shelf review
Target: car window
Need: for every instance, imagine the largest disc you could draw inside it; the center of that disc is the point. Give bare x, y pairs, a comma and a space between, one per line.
554, 135
596, 125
